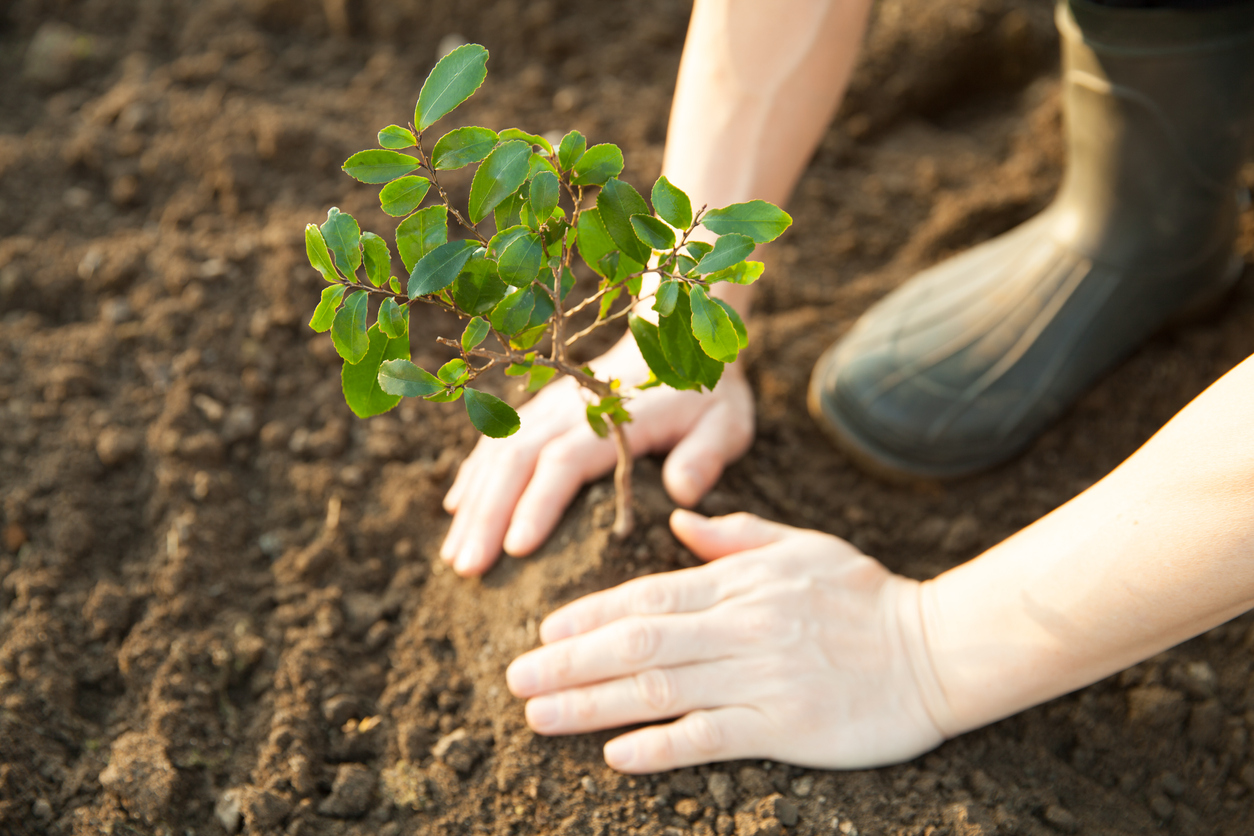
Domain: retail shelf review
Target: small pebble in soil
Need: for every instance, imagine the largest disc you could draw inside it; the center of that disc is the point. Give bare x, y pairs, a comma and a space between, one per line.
803, 786
589, 785
1061, 818
351, 793
457, 749
720, 786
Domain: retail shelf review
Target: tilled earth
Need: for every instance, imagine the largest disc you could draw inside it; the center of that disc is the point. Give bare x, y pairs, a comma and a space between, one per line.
220, 606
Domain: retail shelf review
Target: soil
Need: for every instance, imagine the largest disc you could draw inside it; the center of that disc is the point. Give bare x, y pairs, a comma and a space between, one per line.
221, 605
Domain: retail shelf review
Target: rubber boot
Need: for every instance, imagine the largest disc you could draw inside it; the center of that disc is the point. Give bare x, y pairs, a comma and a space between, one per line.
964, 365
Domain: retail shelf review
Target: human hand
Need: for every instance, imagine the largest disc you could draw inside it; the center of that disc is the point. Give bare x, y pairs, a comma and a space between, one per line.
511, 492
790, 645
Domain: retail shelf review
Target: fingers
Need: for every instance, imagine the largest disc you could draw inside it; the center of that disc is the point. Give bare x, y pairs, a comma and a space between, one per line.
720, 436
474, 539
698, 737
688, 590
710, 538
564, 464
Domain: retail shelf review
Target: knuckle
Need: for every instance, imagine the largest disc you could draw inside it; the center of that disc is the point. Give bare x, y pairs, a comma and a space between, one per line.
703, 733
656, 688
581, 706
638, 640
650, 597
558, 454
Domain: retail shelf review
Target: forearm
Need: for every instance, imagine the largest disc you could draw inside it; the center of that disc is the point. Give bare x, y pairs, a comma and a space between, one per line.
758, 85
1160, 550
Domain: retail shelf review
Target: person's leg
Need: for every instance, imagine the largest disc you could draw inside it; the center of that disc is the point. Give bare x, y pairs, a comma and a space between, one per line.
967, 363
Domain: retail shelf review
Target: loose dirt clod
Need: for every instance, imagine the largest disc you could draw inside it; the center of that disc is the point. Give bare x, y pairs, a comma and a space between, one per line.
141, 775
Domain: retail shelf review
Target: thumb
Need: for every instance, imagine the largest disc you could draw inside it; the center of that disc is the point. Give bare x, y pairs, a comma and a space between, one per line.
710, 538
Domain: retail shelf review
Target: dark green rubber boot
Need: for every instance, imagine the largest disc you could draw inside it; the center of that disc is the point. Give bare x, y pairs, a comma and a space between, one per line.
964, 365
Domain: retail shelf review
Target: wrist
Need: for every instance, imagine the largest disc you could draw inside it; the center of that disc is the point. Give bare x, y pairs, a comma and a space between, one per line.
915, 607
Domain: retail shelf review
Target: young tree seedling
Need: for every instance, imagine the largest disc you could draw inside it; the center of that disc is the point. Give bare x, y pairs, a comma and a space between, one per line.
513, 288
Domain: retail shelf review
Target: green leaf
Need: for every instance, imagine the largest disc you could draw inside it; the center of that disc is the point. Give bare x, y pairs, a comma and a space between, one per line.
478, 287
597, 165
400, 197
713, 327
539, 376
319, 257
348, 329
653, 232
453, 80
554, 234
541, 310
545, 192
462, 146
343, 238
324, 314
362, 392
757, 219
529, 336
394, 284
742, 333
504, 238
476, 330
540, 163
378, 258
568, 278
667, 296
746, 272
533, 139
685, 265
437, 269
508, 212
393, 319
648, 340
394, 136
729, 250
570, 149
454, 372
521, 261
377, 166
617, 202
698, 249
595, 244
671, 204
609, 407
681, 348
491, 415
401, 377
421, 233
607, 301
513, 313
498, 177
445, 397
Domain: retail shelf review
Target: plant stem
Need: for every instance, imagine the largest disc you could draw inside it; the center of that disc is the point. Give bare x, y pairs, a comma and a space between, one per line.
624, 520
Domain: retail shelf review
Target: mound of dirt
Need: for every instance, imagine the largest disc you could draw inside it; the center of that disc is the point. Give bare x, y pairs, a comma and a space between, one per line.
220, 605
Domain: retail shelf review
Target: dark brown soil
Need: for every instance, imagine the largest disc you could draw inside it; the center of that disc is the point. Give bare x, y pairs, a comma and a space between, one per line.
221, 606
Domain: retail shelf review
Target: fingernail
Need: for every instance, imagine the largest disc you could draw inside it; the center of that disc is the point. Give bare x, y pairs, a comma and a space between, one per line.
521, 677
467, 560
542, 713
620, 752
519, 537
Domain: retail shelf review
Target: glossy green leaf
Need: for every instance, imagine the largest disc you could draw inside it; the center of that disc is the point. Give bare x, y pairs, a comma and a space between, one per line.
595, 244
453, 80
609, 407
746, 272
476, 330
541, 310
520, 263
685, 265
394, 284
462, 146
498, 176
742, 333
348, 329
400, 197
539, 376
570, 149
393, 319
530, 335
324, 314
729, 250
513, 313
401, 377
421, 233
667, 296
681, 348
491, 415
598, 165
319, 256
378, 258
343, 239
648, 340
757, 219
698, 249
478, 287
437, 269
617, 202
446, 397
607, 302
454, 372
713, 327
545, 192
360, 381
671, 204
538, 164
379, 166
652, 232
508, 213
504, 238
396, 137
533, 139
